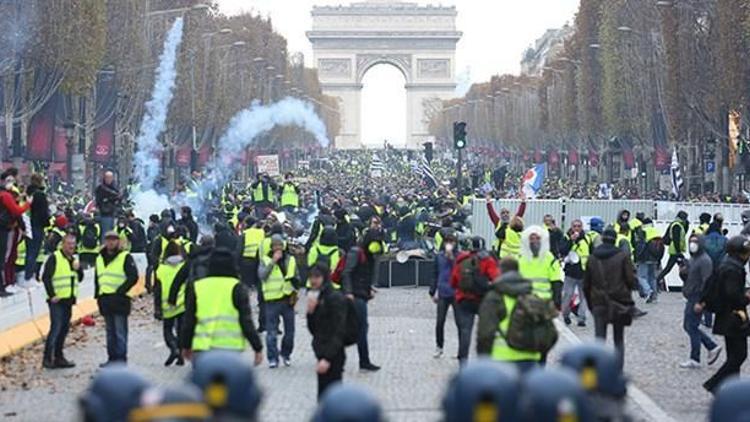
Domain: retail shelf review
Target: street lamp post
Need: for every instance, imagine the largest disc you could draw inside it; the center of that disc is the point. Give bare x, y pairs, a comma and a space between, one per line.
70, 129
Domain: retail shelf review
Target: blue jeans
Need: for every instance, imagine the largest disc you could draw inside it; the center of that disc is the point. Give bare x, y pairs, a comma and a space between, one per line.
363, 347
697, 337
106, 224
33, 247
647, 279
275, 310
59, 316
117, 337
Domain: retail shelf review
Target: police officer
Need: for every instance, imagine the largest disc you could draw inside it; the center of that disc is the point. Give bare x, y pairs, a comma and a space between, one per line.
112, 395
348, 403
228, 385
62, 273
483, 390
730, 404
550, 395
601, 376
116, 273
278, 276
217, 311
289, 194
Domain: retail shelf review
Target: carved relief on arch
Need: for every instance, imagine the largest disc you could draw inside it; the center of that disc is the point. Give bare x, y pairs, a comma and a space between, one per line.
401, 61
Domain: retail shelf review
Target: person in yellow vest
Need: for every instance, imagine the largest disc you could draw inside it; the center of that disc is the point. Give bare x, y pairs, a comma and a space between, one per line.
538, 265
510, 239
704, 220
677, 249
575, 250
125, 233
263, 194
89, 234
251, 242
116, 273
62, 273
174, 260
494, 319
217, 311
289, 194
326, 252
278, 276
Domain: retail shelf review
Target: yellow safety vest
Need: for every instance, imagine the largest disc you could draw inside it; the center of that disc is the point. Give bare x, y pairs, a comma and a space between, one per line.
289, 196
111, 276
278, 285
253, 239
542, 272
511, 246
701, 229
258, 194
322, 250
673, 245
166, 274
124, 241
582, 248
217, 320
186, 245
65, 279
500, 349
21, 252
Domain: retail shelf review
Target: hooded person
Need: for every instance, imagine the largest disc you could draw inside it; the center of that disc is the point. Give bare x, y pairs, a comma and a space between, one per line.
696, 273
538, 264
704, 221
608, 283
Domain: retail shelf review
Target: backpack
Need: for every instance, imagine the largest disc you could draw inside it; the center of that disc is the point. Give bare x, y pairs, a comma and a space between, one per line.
336, 275
470, 280
667, 238
640, 245
655, 248
531, 326
327, 258
351, 333
89, 237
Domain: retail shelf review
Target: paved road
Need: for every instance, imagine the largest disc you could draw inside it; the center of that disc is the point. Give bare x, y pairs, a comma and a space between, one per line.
409, 386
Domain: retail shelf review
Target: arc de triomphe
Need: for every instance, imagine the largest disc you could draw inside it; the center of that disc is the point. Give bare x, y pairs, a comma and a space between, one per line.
419, 40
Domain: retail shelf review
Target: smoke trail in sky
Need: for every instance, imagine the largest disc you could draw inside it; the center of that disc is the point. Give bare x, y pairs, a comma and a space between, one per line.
147, 163
246, 125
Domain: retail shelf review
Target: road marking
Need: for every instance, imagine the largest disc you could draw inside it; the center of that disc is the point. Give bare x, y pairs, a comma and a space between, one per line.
653, 410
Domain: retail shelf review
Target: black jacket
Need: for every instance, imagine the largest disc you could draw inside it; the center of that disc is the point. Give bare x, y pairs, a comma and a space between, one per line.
49, 272
39, 207
731, 275
327, 323
357, 274
241, 301
119, 302
196, 267
191, 226
107, 200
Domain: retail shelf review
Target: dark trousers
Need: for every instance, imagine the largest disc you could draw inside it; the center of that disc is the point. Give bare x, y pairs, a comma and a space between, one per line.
363, 346
33, 247
4, 246
106, 223
148, 278
171, 328
117, 337
335, 374
59, 316
275, 310
618, 332
249, 272
736, 354
691, 324
466, 312
673, 259
442, 313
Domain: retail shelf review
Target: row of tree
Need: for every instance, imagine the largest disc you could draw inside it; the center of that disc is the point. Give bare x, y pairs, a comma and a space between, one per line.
642, 76
64, 50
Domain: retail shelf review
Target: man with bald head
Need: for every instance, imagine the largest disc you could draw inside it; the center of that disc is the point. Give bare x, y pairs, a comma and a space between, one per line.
107, 197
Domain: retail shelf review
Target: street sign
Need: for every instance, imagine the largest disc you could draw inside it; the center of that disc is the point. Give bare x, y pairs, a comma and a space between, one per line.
268, 164
710, 167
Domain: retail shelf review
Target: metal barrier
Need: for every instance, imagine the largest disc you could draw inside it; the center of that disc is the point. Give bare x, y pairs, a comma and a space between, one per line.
668, 210
606, 210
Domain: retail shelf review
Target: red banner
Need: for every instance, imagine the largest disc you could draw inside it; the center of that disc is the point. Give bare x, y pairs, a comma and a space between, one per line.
573, 159
661, 158
593, 158
103, 148
182, 156
41, 132
204, 154
553, 158
60, 145
628, 159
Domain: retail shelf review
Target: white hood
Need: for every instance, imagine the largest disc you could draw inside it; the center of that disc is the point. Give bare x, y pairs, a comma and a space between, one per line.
542, 233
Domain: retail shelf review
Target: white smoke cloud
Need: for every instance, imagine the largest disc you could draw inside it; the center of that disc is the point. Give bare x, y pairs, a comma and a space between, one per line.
147, 164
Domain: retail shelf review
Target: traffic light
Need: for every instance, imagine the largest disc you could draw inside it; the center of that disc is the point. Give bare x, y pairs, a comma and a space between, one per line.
459, 135
428, 151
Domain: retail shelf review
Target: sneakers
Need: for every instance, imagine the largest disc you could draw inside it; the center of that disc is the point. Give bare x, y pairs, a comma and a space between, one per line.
713, 354
64, 363
287, 362
690, 364
438, 353
567, 320
637, 313
652, 298
369, 367
273, 364
581, 323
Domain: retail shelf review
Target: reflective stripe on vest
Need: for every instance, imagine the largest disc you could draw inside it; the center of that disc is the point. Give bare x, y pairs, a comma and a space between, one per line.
541, 272
500, 349
253, 238
111, 276
64, 279
277, 285
166, 274
217, 320
511, 245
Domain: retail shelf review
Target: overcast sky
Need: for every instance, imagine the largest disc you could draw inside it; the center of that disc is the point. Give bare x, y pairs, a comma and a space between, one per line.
496, 32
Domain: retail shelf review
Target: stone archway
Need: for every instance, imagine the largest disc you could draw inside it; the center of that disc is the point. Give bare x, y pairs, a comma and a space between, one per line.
418, 40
